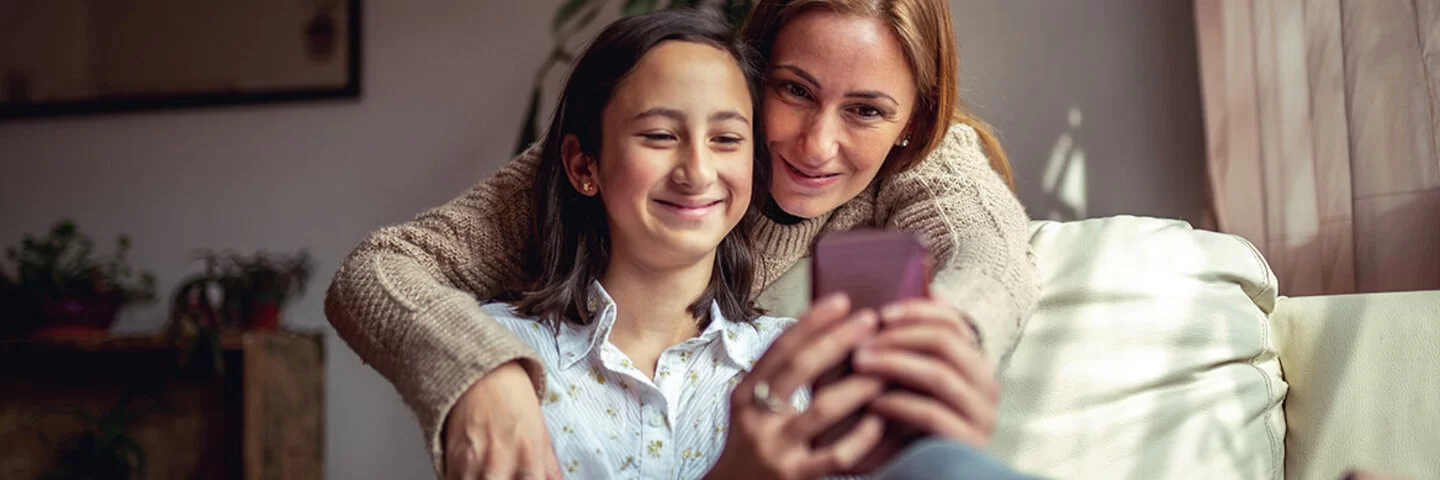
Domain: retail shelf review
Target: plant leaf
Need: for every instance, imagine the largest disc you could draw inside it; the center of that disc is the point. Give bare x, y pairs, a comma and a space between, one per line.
636, 7
127, 448
528, 133
566, 12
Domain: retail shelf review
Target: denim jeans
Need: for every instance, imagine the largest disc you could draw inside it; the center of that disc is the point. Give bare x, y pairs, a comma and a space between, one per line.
933, 459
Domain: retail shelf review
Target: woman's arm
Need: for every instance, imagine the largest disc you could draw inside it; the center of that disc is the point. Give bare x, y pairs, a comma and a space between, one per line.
407, 300
977, 231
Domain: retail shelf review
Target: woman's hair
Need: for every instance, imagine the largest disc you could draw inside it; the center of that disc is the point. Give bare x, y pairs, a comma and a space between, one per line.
928, 39
569, 245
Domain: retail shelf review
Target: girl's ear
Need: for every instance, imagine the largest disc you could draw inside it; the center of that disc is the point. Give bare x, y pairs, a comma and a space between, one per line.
579, 166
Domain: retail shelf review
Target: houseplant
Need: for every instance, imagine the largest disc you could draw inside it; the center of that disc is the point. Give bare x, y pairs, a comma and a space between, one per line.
573, 16
102, 449
233, 292
251, 288
61, 287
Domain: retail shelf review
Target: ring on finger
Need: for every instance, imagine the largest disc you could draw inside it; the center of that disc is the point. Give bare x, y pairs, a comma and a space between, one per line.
766, 400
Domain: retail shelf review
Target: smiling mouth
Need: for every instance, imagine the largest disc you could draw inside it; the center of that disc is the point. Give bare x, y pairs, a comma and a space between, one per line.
690, 206
804, 174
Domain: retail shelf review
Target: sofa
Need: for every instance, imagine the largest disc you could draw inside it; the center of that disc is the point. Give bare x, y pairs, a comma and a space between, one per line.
1162, 351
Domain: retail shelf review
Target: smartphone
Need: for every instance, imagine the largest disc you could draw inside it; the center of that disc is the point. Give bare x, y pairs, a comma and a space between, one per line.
874, 268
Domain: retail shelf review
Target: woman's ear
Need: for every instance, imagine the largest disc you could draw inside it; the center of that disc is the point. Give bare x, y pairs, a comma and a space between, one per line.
579, 166
904, 140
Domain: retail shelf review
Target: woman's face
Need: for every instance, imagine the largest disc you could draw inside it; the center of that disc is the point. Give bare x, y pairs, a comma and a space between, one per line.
676, 157
838, 99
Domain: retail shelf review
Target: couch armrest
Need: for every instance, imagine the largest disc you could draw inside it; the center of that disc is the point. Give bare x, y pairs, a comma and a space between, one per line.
1364, 383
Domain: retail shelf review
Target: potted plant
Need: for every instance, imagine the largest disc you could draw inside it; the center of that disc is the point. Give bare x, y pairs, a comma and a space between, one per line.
252, 289
61, 287
102, 448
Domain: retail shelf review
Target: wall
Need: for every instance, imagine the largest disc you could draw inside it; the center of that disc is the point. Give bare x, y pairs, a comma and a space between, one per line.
445, 81
1127, 70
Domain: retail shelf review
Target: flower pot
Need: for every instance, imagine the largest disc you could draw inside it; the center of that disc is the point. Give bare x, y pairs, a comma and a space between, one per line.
78, 316
264, 316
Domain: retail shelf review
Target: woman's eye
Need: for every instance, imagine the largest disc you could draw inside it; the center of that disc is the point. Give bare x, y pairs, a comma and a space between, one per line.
868, 112
796, 90
657, 137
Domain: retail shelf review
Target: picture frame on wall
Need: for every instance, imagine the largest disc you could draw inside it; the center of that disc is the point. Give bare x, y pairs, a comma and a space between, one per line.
74, 57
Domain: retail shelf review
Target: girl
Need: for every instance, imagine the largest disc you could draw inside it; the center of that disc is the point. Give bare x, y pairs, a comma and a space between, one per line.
637, 287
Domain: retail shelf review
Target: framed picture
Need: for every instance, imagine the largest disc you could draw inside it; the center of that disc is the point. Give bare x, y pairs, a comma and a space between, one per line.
65, 57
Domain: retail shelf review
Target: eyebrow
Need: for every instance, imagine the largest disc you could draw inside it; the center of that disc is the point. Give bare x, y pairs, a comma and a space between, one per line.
728, 115
679, 116
865, 94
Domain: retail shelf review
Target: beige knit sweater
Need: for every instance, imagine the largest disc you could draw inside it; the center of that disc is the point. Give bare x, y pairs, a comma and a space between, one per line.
407, 300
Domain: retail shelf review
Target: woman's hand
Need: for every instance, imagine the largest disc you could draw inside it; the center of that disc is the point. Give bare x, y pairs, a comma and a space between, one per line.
496, 430
765, 443
928, 348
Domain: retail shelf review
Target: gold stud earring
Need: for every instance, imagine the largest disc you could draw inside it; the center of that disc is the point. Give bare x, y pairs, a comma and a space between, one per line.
586, 187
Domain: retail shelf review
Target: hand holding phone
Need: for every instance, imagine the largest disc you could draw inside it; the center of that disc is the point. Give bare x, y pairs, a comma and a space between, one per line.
874, 268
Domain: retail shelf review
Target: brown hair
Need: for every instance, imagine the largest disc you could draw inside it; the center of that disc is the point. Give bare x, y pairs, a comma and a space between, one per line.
569, 245
928, 38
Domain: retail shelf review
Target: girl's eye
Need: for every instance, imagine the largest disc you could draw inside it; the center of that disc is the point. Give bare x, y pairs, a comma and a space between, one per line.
729, 140
657, 137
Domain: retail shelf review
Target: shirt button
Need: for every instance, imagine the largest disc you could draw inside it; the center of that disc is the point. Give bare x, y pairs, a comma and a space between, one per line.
656, 421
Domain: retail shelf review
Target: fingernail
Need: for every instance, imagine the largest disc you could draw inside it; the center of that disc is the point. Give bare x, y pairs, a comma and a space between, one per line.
866, 317
891, 313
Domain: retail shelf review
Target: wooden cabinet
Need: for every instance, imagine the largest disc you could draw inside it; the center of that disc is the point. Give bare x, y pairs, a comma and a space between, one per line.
261, 418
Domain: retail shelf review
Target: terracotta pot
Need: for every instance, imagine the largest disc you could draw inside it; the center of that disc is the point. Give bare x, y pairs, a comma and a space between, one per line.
80, 316
265, 316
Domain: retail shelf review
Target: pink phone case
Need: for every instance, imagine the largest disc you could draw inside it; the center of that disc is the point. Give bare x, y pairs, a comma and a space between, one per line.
874, 268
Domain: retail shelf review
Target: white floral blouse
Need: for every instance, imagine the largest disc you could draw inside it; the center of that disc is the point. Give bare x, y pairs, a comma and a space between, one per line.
607, 420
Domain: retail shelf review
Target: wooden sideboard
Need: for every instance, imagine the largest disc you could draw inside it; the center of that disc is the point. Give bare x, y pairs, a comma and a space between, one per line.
261, 418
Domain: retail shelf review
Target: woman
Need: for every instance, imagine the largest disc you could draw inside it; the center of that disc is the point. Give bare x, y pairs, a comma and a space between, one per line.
864, 127
637, 286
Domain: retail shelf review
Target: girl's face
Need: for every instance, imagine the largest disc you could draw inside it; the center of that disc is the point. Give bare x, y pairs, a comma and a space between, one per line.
838, 99
675, 161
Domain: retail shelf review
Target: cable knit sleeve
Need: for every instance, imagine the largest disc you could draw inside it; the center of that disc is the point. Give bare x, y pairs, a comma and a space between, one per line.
407, 300
977, 231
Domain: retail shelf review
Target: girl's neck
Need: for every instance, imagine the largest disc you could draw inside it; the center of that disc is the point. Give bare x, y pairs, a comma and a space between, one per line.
653, 306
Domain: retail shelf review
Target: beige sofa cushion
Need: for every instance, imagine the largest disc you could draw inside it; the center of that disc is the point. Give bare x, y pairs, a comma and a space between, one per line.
1364, 384
1149, 357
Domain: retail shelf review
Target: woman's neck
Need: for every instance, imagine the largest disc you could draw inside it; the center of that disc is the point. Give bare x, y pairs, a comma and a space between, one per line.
653, 306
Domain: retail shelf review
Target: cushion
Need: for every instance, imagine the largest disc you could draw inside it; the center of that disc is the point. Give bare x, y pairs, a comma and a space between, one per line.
1364, 384
1148, 357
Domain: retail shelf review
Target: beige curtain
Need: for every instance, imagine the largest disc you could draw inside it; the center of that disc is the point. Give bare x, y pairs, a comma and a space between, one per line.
1321, 120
